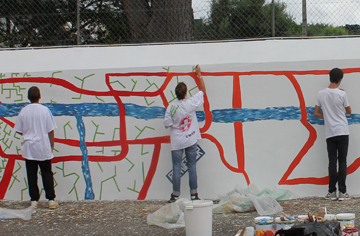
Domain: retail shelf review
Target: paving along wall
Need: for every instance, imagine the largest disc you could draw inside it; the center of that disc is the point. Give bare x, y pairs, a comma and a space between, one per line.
257, 122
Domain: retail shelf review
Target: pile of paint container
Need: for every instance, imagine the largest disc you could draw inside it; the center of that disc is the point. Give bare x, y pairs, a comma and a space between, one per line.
346, 220
268, 225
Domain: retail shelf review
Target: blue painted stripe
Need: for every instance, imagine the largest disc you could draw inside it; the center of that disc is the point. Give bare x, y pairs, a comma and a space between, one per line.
89, 192
154, 112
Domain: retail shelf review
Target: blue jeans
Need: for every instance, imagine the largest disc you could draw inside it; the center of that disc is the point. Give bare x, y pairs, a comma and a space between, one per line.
190, 154
337, 148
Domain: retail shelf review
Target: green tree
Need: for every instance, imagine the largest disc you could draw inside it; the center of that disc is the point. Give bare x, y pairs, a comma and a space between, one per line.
235, 19
159, 20
101, 22
23, 23
326, 30
54, 22
284, 23
353, 29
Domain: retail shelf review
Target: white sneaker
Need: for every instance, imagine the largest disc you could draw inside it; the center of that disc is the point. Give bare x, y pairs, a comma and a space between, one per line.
332, 196
53, 204
34, 204
343, 196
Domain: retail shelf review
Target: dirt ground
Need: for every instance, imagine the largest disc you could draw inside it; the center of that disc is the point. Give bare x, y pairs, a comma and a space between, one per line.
128, 217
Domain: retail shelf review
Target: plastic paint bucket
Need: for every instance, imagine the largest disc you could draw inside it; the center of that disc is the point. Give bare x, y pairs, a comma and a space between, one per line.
302, 219
346, 220
198, 217
264, 222
284, 224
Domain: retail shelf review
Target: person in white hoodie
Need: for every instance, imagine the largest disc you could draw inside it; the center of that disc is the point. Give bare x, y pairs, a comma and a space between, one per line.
36, 124
181, 118
334, 104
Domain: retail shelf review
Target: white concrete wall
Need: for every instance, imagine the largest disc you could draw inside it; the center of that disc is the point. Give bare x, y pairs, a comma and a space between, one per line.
110, 102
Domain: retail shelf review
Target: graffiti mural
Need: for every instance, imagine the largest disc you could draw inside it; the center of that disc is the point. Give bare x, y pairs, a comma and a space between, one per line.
257, 127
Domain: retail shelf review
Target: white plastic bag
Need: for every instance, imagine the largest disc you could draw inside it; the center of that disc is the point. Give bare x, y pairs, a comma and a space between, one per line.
278, 194
169, 216
266, 204
234, 203
24, 214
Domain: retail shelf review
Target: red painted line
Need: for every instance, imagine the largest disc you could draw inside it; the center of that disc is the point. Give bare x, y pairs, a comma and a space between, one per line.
309, 143
151, 172
5, 180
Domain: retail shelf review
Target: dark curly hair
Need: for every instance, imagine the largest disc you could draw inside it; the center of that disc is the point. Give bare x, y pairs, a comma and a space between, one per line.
181, 90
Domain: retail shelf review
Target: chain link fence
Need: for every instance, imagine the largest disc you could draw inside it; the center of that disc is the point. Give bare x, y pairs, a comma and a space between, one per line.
37, 23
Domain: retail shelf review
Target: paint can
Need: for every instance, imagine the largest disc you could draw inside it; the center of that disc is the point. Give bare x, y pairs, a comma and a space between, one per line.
284, 224
264, 222
350, 232
302, 219
346, 220
249, 231
198, 217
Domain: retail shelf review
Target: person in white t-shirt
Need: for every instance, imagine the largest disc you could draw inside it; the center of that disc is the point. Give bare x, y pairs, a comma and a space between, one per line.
180, 117
36, 124
334, 104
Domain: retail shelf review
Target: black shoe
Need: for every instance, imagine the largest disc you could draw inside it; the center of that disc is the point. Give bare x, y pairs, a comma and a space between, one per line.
195, 196
173, 198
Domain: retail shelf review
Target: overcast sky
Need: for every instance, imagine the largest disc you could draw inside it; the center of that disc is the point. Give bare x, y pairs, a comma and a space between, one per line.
334, 12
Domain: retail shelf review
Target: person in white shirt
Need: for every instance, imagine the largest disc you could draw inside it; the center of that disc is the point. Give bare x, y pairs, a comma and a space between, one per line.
36, 124
334, 104
180, 117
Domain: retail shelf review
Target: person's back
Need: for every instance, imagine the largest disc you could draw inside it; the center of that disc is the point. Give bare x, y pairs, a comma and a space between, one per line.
36, 123
333, 101
184, 129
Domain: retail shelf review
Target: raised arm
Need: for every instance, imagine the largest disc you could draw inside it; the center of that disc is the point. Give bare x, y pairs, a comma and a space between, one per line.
202, 84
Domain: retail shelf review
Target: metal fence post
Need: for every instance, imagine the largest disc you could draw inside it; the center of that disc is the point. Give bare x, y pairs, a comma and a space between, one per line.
273, 18
304, 18
77, 22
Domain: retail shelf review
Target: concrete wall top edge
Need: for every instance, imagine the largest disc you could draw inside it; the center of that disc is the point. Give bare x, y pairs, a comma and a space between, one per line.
261, 51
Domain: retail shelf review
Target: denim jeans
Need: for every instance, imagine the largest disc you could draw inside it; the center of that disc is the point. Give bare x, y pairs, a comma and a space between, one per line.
337, 148
190, 154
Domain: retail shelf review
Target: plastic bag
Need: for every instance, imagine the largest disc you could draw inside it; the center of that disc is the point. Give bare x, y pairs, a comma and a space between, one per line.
234, 203
238, 189
278, 194
24, 214
327, 228
242, 200
266, 204
290, 232
169, 216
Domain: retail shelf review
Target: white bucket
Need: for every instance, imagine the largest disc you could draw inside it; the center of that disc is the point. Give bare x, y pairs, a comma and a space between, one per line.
284, 224
302, 219
346, 220
264, 222
198, 217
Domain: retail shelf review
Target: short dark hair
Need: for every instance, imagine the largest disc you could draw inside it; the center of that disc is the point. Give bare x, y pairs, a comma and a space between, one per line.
34, 94
181, 90
336, 75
